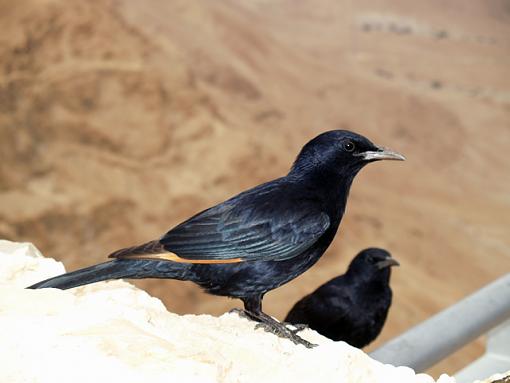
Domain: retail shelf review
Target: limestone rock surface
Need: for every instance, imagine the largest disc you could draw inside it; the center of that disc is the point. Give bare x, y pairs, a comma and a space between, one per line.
115, 332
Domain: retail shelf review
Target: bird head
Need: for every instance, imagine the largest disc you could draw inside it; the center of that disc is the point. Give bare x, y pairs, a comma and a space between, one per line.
371, 262
340, 152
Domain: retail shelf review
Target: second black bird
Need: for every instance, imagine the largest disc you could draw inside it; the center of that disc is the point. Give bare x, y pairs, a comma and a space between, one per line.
256, 241
352, 307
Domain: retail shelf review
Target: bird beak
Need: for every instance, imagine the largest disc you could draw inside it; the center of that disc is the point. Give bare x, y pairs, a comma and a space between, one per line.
382, 154
388, 262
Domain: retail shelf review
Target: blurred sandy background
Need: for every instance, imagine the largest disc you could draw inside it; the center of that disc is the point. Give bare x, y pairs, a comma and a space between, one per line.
119, 119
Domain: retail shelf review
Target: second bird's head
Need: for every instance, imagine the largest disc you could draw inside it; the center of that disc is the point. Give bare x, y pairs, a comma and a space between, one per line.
372, 263
340, 152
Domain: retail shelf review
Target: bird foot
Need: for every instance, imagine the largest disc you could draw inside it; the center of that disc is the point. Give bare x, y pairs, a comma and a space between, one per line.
274, 327
279, 329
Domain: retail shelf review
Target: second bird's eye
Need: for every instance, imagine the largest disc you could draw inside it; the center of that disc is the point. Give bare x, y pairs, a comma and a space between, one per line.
349, 146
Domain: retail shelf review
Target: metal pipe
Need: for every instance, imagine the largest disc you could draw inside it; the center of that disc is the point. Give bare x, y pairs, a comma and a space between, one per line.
439, 336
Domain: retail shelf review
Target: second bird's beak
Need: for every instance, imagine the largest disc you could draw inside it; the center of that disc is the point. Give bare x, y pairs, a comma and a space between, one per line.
388, 262
382, 154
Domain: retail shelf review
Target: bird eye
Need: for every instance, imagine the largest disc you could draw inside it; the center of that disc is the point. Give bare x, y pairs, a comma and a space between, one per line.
349, 146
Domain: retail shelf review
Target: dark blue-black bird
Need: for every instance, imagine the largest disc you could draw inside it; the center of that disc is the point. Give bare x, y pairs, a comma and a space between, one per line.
352, 307
256, 241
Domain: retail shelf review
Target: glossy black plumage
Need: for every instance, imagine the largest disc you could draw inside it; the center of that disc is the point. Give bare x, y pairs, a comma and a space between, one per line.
352, 307
257, 240
251, 227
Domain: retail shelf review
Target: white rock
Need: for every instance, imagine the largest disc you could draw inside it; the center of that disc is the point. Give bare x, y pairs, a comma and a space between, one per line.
114, 332
22, 264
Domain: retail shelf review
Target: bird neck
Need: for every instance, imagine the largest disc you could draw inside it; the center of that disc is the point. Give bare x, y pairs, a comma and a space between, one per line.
332, 185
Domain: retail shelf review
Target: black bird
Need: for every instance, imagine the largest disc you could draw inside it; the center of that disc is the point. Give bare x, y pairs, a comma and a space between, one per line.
256, 241
352, 307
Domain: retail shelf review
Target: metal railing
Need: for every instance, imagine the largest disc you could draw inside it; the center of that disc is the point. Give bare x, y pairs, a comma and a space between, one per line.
495, 359
439, 336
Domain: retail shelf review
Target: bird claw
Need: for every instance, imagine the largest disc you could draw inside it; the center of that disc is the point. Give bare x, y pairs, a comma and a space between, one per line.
282, 331
240, 312
298, 327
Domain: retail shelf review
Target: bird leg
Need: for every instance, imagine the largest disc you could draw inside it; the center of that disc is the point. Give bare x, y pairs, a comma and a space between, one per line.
253, 310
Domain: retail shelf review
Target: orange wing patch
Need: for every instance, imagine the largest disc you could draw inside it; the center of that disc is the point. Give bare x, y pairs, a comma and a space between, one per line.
175, 258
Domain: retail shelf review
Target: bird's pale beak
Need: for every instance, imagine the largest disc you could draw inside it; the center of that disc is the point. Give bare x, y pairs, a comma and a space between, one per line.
388, 262
382, 154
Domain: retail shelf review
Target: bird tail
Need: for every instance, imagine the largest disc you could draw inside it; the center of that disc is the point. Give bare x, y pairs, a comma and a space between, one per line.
116, 269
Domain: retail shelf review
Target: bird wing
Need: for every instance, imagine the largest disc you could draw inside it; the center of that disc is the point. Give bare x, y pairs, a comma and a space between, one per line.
258, 226
247, 235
